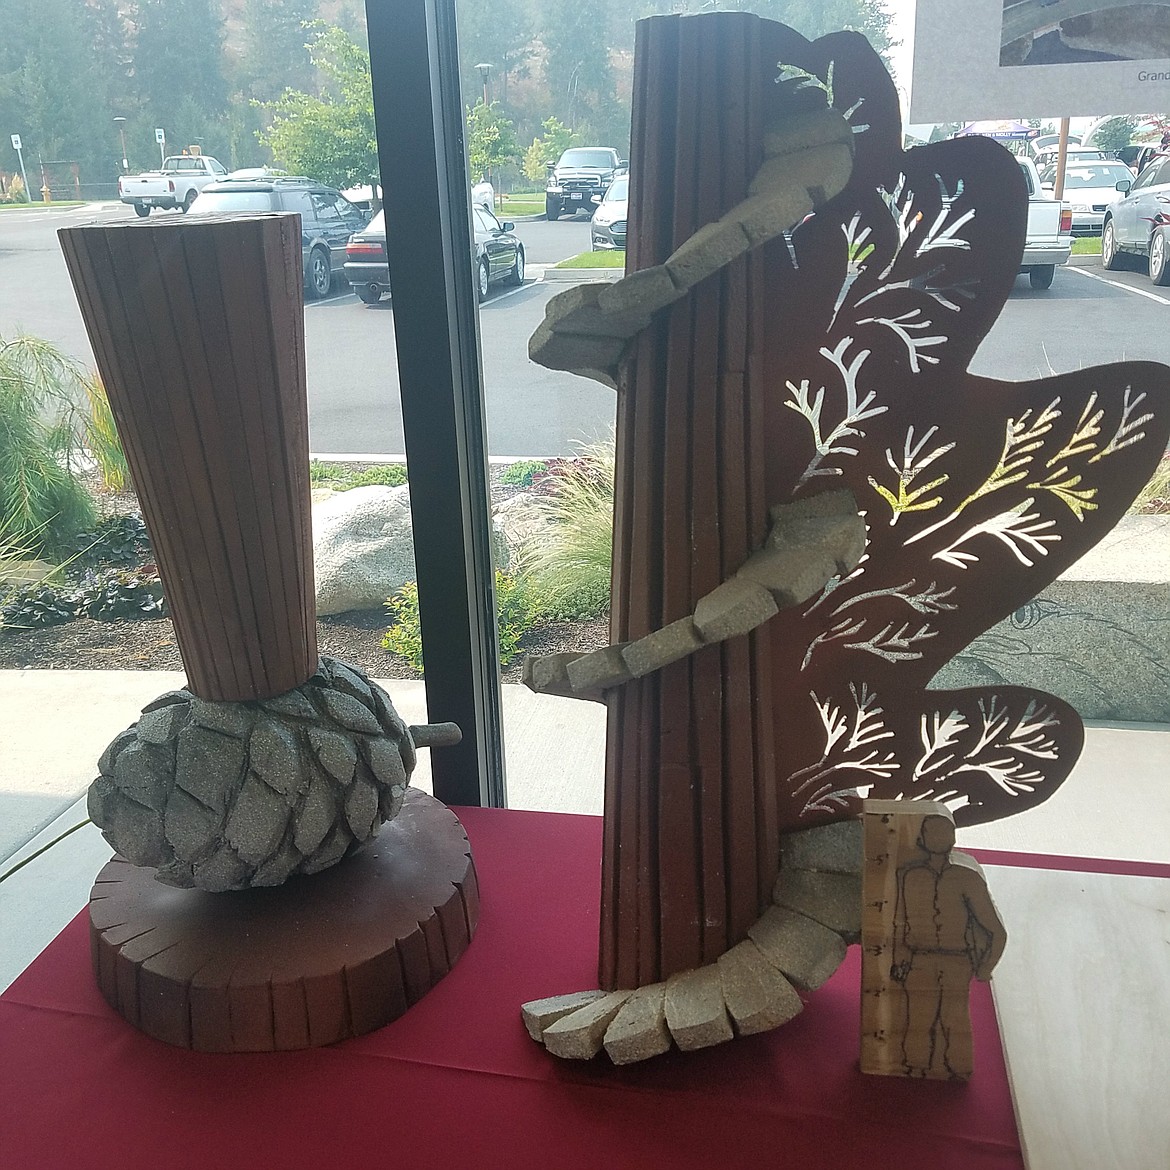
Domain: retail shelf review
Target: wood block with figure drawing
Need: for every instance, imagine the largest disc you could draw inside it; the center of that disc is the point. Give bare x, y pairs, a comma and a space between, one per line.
928, 926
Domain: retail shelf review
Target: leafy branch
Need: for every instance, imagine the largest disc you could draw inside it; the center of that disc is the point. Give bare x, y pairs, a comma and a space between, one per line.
913, 464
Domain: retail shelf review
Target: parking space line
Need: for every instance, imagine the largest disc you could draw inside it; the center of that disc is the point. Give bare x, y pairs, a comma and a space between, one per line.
1137, 292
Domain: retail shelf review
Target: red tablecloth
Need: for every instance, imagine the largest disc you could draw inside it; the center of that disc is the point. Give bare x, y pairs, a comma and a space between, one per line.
458, 1083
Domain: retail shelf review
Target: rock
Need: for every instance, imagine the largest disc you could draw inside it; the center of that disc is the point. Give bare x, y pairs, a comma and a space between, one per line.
192, 834
350, 713
523, 522
832, 899
274, 755
639, 294
579, 1035
336, 752
805, 951
257, 821
316, 817
210, 766
712, 247
161, 724
362, 547
639, 1031
757, 996
229, 718
540, 1013
597, 670
791, 575
695, 1013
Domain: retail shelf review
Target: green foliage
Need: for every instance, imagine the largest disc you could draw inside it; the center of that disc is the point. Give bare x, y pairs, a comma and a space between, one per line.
568, 569
523, 472
516, 611
120, 594
556, 139
404, 637
101, 436
608, 258
342, 477
275, 55
14, 192
329, 137
115, 540
36, 606
491, 139
1114, 133
42, 503
1155, 496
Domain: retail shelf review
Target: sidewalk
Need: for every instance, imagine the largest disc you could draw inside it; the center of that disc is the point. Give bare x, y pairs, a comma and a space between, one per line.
57, 722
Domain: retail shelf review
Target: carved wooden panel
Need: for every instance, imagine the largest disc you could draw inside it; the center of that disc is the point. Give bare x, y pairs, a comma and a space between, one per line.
198, 332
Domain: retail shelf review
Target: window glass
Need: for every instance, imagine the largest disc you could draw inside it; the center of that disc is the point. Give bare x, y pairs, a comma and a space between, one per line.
232, 202
298, 201
325, 207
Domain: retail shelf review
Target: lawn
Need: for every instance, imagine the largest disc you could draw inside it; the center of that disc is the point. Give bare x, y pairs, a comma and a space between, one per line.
607, 259
1087, 246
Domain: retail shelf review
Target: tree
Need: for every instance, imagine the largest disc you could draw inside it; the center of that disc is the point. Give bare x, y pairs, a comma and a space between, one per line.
179, 54
276, 56
498, 32
1114, 133
491, 139
556, 139
330, 137
577, 65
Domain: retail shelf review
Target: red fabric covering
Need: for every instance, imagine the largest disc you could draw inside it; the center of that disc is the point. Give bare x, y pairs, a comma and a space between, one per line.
458, 1083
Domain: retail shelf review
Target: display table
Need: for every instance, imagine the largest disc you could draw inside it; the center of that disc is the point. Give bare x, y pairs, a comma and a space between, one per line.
457, 1082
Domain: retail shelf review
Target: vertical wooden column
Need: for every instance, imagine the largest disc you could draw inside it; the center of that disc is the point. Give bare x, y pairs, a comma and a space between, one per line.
686, 865
198, 332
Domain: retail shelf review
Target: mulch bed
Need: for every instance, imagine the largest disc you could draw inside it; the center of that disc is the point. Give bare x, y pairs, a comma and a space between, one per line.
355, 637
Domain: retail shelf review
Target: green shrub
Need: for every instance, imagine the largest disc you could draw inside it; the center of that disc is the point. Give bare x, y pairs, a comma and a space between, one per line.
36, 606
1155, 496
515, 614
120, 594
341, 477
568, 569
101, 436
115, 540
523, 472
42, 502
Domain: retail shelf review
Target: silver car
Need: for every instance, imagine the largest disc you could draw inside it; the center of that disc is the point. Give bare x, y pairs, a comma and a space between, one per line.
1139, 224
608, 228
1090, 187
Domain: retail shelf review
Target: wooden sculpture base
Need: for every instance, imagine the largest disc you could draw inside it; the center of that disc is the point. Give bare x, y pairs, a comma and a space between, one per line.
316, 960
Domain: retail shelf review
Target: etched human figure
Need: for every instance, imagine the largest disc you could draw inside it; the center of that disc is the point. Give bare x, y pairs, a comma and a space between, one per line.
946, 930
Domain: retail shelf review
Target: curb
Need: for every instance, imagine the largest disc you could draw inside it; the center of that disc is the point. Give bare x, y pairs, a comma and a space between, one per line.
554, 275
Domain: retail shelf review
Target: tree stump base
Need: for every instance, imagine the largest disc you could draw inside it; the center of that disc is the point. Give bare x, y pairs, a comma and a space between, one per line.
311, 962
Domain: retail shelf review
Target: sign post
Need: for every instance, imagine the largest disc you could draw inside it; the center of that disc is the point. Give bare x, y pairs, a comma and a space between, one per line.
19, 148
160, 136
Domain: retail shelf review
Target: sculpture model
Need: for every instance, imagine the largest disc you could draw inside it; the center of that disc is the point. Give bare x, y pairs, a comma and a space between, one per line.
928, 927
817, 506
273, 764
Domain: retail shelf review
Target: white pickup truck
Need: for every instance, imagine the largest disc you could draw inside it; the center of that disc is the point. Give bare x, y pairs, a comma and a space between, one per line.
1049, 239
181, 178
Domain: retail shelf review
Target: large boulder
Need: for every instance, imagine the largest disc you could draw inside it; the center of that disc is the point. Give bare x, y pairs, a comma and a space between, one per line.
362, 547
363, 551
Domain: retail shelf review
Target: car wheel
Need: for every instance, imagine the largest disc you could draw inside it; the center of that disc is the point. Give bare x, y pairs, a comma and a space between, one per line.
1110, 253
320, 275
516, 276
482, 279
1041, 276
190, 198
142, 209
370, 294
552, 209
1159, 257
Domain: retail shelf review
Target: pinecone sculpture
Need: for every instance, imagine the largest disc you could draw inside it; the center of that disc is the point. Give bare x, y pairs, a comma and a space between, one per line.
229, 795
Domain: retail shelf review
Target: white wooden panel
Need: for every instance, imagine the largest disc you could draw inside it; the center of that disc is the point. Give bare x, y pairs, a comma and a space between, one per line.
1083, 998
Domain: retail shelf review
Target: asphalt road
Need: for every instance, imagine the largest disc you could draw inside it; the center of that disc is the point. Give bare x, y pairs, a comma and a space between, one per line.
1088, 317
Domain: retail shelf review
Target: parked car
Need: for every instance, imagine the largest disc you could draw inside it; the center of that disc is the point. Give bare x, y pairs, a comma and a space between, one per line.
1090, 187
609, 220
1139, 224
328, 219
496, 256
1074, 155
176, 184
580, 173
1046, 142
1048, 242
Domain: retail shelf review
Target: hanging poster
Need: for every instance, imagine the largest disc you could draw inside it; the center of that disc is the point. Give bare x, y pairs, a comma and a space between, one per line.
1049, 58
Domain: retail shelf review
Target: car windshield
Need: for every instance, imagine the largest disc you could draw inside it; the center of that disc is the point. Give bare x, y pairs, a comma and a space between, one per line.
587, 158
1095, 175
231, 202
618, 191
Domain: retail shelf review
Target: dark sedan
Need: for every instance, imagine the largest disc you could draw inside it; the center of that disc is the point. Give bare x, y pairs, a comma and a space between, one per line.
497, 256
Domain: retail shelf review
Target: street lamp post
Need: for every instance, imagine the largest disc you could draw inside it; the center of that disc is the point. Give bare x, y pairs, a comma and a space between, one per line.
484, 67
121, 124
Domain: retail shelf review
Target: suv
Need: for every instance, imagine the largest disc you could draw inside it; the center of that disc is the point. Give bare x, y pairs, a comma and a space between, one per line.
581, 173
328, 219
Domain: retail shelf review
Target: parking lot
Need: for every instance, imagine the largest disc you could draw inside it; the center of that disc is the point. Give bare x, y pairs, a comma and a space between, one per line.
1087, 318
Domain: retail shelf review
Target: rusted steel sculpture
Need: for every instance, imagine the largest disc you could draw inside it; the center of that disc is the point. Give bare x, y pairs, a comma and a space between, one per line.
759, 363
272, 763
